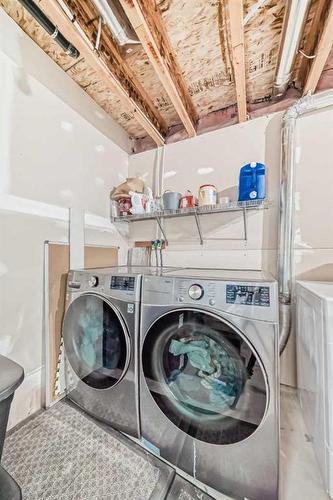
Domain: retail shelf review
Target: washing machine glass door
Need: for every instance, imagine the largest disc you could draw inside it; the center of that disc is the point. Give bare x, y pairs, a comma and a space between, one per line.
204, 376
96, 341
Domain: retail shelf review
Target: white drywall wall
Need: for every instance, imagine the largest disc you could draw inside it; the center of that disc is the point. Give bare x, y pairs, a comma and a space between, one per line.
32, 61
216, 158
313, 242
52, 159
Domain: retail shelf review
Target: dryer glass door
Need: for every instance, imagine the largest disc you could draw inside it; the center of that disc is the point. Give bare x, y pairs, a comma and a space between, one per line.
204, 376
96, 341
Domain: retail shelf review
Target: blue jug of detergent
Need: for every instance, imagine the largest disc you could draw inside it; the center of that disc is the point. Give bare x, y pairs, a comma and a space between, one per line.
252, 182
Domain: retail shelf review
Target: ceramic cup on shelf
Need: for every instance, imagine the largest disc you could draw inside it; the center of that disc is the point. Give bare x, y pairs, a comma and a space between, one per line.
171, 200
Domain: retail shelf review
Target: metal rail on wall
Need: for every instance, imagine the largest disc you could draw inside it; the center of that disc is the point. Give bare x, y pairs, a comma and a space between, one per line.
242, 207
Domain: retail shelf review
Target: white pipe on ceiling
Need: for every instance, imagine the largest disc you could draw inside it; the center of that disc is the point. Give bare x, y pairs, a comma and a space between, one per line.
116, 21
293, 26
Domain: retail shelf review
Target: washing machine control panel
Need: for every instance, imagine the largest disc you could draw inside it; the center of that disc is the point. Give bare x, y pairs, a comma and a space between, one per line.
122, 283
248, 295
247, 299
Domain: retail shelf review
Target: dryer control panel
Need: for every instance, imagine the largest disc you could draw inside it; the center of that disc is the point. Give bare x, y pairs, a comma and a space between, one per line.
122, 287
248, 295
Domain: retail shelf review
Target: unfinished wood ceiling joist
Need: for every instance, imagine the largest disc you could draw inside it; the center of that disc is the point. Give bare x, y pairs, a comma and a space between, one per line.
181, 78
322, 52
146, 20
236, 13
120, 79
310, 41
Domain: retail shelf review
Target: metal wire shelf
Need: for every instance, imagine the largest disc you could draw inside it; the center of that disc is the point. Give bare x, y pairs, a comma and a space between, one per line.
240, 206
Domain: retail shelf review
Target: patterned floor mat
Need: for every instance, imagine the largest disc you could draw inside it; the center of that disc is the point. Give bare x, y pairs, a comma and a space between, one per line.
62, 454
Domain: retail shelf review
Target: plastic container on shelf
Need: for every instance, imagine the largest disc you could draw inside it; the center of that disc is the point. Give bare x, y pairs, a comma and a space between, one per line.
188, 200
114, 208
207, 195
124, 205
252, 182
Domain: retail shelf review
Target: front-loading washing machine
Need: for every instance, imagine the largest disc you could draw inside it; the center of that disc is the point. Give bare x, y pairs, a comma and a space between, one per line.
209, 384
100, 334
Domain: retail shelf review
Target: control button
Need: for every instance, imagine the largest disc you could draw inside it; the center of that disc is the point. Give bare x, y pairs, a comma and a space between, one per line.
74, 284
211, 302
93, 281
195, 292
180, 299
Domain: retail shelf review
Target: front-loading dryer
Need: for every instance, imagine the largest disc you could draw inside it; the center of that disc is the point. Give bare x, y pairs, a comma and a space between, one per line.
209, 385
100, 334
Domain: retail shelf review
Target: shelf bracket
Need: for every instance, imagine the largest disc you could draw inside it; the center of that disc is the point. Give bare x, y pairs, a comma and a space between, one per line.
158, 220
245, 222
197, 221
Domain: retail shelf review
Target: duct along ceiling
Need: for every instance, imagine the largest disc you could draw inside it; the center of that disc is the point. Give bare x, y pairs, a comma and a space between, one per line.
166, 70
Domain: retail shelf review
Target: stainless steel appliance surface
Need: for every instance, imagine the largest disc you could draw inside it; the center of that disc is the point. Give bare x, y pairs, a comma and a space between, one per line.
209, 384
100, 332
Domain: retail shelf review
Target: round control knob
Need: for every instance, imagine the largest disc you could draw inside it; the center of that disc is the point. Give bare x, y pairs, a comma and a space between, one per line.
211, 302
195, 292
93, 281
180, 299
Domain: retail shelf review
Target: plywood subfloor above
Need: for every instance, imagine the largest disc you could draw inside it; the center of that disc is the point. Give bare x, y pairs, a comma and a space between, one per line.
193, 28
199, 35
78, 70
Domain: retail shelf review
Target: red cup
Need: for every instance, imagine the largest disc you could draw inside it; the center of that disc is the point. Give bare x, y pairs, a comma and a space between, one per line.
187, 201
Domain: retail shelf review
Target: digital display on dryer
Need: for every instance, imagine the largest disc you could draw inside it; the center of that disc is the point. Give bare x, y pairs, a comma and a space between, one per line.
123, 283
248, 295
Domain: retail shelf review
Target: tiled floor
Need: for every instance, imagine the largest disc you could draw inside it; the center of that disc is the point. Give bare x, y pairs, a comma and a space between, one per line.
63, 455
299, 473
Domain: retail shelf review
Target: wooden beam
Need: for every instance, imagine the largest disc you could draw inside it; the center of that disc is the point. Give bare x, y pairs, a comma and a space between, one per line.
323, 49
108, 70
311, 40
148, 24
224, 39
236, 15
88, 17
